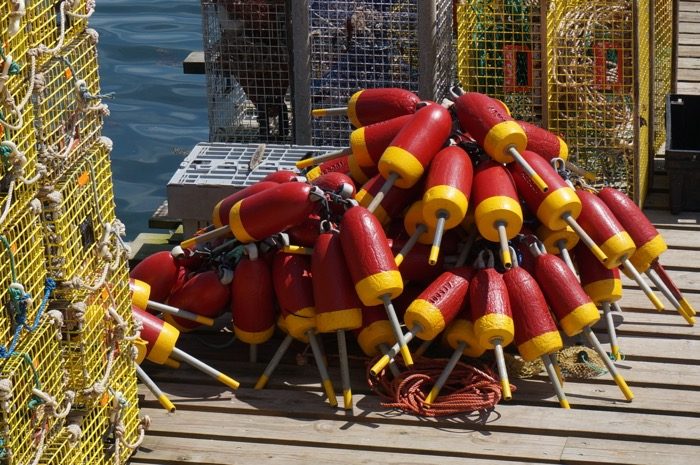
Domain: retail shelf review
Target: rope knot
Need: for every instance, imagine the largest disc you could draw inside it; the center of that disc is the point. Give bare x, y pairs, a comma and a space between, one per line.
75, 433
5, 393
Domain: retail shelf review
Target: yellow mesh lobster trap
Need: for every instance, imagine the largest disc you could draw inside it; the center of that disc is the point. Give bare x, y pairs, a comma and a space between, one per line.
19, 177
598, 87
27, 416
61, 450
663, 62
75, 213
54, 24
22, 272
68, 105
500, 53
102, 438
85, 344
14, 30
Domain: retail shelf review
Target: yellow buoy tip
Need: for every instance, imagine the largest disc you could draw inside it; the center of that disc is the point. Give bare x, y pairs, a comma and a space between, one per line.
228, 381
262, 381
166, 403
565, 404
380, 365
505, 390
398, 259
407, 358
204, 320
187, 243
432, 395
685, 305
347, 399
434, 253
539, 182
318, 112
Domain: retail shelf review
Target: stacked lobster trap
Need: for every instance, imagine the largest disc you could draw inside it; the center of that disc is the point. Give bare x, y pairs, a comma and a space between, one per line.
269, 61
595, 72
66, 332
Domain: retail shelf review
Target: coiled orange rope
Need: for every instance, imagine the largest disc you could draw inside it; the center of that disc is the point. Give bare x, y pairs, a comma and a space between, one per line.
468, 389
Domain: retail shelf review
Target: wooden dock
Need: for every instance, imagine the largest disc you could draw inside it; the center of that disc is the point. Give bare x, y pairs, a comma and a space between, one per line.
291, 423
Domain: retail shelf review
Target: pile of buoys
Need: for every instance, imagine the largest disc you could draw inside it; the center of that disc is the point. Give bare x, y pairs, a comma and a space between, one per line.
456, 205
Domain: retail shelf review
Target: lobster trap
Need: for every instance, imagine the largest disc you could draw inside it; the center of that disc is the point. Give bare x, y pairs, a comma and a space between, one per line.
117, 407
27, 419
247, 63
19, 176
356, 44
598, 87
14, 32
663, 52
501, 52
54, 24
68, 105
61, 450
22, 273
76, 213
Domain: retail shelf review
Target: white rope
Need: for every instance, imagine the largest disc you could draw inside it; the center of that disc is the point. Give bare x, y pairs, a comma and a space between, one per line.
56, 319
74, 432
62, 36
16, 16
74, 4
5, 393
40, 448
53, 405
8, 201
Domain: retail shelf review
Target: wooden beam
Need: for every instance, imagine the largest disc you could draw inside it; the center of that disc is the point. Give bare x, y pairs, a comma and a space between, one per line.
194, 63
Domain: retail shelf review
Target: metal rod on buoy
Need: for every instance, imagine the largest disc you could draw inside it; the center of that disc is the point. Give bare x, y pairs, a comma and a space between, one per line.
178, 312
305, 163
396, 327
383, 191
322, 370
446, 372
501, 364
276, 358
506, 259
642, 284
617, 377
585, 238
344, 370
410, 243
204, 368
615, 349
564, 252
554, 378
660, 285
155, 390
394, 350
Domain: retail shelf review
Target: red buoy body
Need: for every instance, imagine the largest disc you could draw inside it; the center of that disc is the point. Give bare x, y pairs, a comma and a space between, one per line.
336, 302
496, 201
368, 256
536, 333
270, 211
439, 303
282, 176
202, 294
337, 165
650, 244
448, 187
567, 299
490, 305
600, 223
371, 106
550, 206
368, 143
252, 301
222, 209
489, 123
415, 268
305, 233
600, 283
159, 335
291, 279
413, 148
160, 271
547, 144
335, 182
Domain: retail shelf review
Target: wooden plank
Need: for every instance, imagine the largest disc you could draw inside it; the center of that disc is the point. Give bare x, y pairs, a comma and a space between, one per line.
687, 279
650, 324
505, 417
176, 449
688, 63
688, 220
598, 393
597, 451
327, 436
680, 239
688, 87
688, 51
688, 28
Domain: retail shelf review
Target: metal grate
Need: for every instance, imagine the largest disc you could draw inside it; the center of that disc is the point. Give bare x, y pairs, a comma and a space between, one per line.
592, 61
248, 73
37, 363
357, 44
499, 50
213, 171
74, 213
663, 66
124, 385
21, 263
69, 121
95, 427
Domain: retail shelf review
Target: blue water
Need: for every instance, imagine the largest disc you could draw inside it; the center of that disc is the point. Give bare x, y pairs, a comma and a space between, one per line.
158, 113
